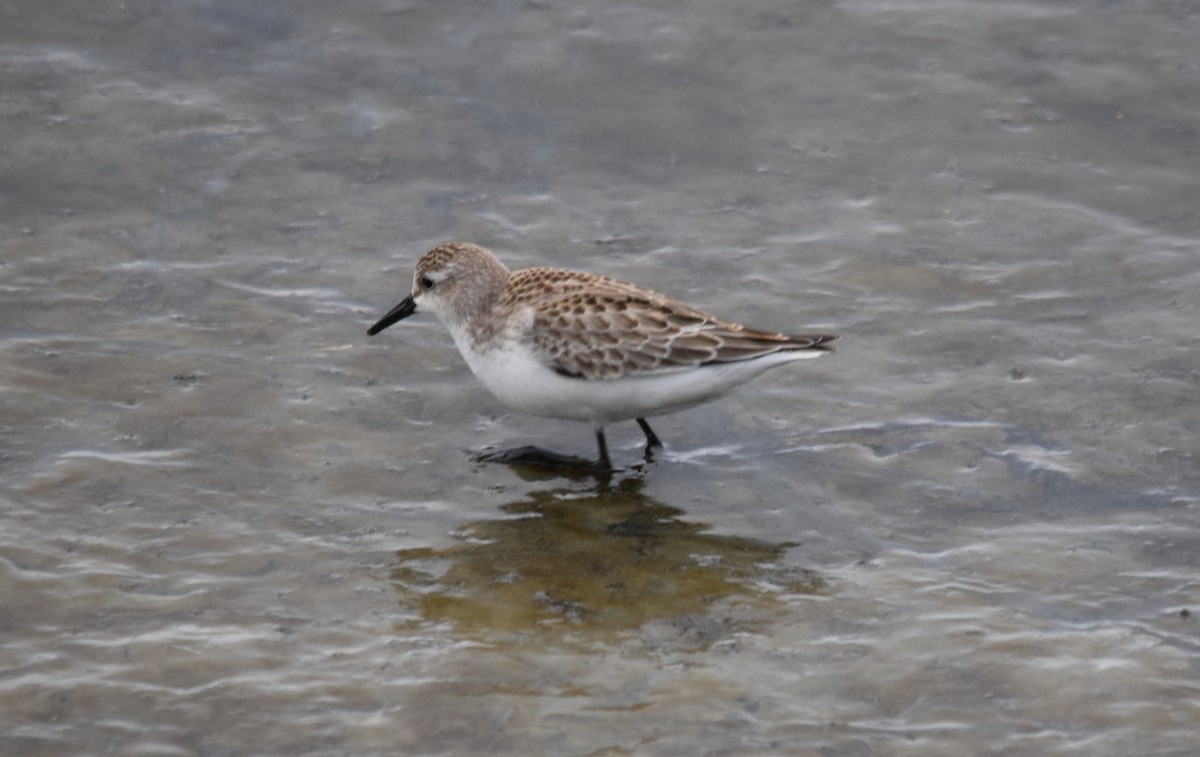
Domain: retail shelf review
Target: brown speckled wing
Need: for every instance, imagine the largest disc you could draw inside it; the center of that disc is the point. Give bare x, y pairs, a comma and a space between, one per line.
594, 327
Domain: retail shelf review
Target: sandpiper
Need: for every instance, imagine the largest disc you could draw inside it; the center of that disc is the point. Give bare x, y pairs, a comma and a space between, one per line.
580, 346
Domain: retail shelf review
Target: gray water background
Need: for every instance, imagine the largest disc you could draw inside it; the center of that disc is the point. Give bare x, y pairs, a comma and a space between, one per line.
230, 524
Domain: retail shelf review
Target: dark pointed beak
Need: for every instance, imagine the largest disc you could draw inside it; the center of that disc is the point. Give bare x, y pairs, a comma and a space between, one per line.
407, 307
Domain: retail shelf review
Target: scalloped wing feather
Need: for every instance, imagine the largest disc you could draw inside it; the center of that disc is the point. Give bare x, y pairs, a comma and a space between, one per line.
595, 327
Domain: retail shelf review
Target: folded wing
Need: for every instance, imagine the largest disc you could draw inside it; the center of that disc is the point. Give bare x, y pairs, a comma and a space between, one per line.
601, 328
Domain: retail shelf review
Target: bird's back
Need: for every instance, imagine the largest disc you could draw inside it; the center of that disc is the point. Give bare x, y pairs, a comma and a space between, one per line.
595, 327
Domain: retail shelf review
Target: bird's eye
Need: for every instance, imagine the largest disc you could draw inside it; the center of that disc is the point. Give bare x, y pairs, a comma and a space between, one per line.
427, 283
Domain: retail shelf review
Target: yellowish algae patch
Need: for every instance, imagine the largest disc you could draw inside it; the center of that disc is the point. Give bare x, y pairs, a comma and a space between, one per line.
592, 564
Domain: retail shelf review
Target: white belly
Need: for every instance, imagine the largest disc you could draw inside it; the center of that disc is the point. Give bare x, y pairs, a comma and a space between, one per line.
522, 382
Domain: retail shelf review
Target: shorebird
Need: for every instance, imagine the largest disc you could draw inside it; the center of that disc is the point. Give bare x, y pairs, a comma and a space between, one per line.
580, 346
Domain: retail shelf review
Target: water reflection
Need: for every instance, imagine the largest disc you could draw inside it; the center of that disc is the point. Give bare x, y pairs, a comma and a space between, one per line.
594, 560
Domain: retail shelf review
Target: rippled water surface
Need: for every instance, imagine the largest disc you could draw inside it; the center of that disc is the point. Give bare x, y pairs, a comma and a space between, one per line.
230, 524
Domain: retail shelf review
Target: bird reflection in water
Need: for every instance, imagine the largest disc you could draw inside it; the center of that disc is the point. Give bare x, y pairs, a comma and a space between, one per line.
596, 561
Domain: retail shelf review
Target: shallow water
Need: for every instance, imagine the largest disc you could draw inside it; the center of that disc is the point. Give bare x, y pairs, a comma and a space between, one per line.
231, 524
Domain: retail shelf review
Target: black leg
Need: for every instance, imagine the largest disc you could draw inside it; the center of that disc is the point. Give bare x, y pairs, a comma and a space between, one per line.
603, 445
652, 439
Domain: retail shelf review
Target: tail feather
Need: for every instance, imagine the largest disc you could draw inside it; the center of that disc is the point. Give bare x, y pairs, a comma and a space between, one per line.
813, 342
